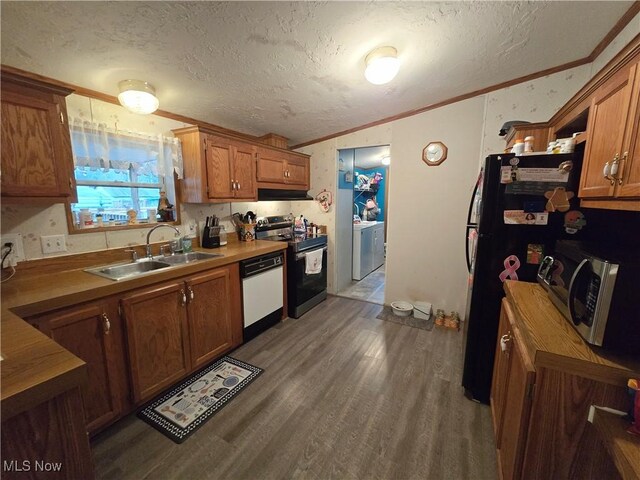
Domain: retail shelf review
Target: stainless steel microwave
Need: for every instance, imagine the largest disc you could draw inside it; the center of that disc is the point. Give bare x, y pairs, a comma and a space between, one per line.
597, 292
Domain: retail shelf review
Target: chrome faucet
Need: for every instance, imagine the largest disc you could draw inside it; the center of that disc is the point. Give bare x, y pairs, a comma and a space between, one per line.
148, 247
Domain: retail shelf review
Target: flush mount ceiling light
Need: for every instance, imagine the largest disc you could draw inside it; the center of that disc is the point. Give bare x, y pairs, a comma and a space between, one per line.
386, 160
138, 96
382, 65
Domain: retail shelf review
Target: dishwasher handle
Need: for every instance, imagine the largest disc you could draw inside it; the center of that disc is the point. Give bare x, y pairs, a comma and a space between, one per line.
257, 265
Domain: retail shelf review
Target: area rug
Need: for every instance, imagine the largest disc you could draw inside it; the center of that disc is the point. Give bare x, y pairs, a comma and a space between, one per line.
387, 315
185, 408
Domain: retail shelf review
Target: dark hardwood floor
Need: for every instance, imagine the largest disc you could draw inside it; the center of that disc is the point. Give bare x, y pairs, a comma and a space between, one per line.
343, 396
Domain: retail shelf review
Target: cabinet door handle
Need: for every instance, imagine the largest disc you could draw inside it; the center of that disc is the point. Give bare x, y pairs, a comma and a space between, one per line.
606, 171
504, 342
190, 290
184, 297
233, 185
106, 324
615, 167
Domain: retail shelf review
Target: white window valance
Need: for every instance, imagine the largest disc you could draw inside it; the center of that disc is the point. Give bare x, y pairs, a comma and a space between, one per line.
97, 146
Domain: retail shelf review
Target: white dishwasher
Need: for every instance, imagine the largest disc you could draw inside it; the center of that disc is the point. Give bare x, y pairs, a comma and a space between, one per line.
262, 293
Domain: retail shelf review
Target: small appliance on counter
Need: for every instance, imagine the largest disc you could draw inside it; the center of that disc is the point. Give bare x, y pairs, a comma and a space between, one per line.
597, 291
213, 234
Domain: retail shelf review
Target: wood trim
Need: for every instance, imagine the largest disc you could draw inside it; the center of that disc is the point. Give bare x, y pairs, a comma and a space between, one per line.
34, 79
617, 28
612, 204
204, 129
514, 129
459, 98
621, 60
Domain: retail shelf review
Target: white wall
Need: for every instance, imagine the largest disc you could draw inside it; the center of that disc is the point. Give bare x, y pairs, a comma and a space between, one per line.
35, 221
428, 205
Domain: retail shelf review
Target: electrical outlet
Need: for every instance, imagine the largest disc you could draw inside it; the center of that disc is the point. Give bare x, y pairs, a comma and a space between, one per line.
17, 252
192, 229
53, 243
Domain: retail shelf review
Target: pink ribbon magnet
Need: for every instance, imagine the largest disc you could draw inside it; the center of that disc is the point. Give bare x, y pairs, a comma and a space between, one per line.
511, 264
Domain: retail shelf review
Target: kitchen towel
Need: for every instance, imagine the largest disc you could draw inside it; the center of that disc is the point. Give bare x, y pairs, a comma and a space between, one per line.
313, 262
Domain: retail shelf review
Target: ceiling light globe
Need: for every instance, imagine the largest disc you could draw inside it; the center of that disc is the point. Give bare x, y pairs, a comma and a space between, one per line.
382, 65
138, 97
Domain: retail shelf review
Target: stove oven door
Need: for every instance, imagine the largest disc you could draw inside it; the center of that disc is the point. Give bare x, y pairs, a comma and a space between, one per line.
305, 290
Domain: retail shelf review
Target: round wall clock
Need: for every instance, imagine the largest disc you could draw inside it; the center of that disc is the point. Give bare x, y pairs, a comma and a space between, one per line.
434, 153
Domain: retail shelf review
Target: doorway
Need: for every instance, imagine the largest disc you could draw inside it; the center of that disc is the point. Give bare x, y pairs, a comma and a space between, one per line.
361, 222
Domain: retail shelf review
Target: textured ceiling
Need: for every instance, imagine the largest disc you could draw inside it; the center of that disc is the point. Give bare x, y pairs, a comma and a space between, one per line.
296, 69
371, 157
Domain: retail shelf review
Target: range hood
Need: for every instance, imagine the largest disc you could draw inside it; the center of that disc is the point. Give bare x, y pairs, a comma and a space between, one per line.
277, 194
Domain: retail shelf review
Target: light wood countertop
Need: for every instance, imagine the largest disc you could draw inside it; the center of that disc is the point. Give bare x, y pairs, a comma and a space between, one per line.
553, 343
35, 368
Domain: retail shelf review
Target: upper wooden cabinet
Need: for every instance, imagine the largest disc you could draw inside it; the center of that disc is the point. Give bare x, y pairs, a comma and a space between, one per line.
93, 332
539, 131
216, 168
610, 133
36, 148
230, 169
220, 168
276, 169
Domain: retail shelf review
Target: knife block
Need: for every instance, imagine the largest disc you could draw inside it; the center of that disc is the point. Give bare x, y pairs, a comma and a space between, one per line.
210, 237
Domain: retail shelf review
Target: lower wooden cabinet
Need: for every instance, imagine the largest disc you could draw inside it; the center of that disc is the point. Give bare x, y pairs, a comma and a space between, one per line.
139, 344
214, 316
93, 332
157, 338
511, 396
178, 327
540, 408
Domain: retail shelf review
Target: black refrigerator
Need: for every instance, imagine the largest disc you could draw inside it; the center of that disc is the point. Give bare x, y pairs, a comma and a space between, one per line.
510, 227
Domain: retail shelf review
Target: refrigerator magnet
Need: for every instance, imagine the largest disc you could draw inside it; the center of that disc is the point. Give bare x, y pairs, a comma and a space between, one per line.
505, 175
535, 253
520, 217
511, 264
574, 221
558, 199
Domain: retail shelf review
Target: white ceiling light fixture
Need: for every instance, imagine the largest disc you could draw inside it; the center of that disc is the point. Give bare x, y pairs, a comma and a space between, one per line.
382, 65
386, 160
138, 96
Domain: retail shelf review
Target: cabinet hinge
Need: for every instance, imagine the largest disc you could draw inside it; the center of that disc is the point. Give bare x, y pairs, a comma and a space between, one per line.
530, 389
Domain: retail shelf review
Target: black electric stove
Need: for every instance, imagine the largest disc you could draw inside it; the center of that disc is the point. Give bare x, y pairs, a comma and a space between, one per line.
304, 290
280, 228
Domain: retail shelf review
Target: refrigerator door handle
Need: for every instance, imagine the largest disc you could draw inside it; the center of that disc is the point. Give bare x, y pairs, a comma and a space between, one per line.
473, 199
466, 250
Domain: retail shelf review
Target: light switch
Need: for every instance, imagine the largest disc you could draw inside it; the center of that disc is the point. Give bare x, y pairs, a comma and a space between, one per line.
53, 243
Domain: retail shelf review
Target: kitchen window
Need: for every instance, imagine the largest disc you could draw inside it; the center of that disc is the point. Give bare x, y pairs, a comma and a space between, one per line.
120, 176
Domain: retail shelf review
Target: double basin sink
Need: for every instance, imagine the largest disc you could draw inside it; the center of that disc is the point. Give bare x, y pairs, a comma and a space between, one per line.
146, 266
